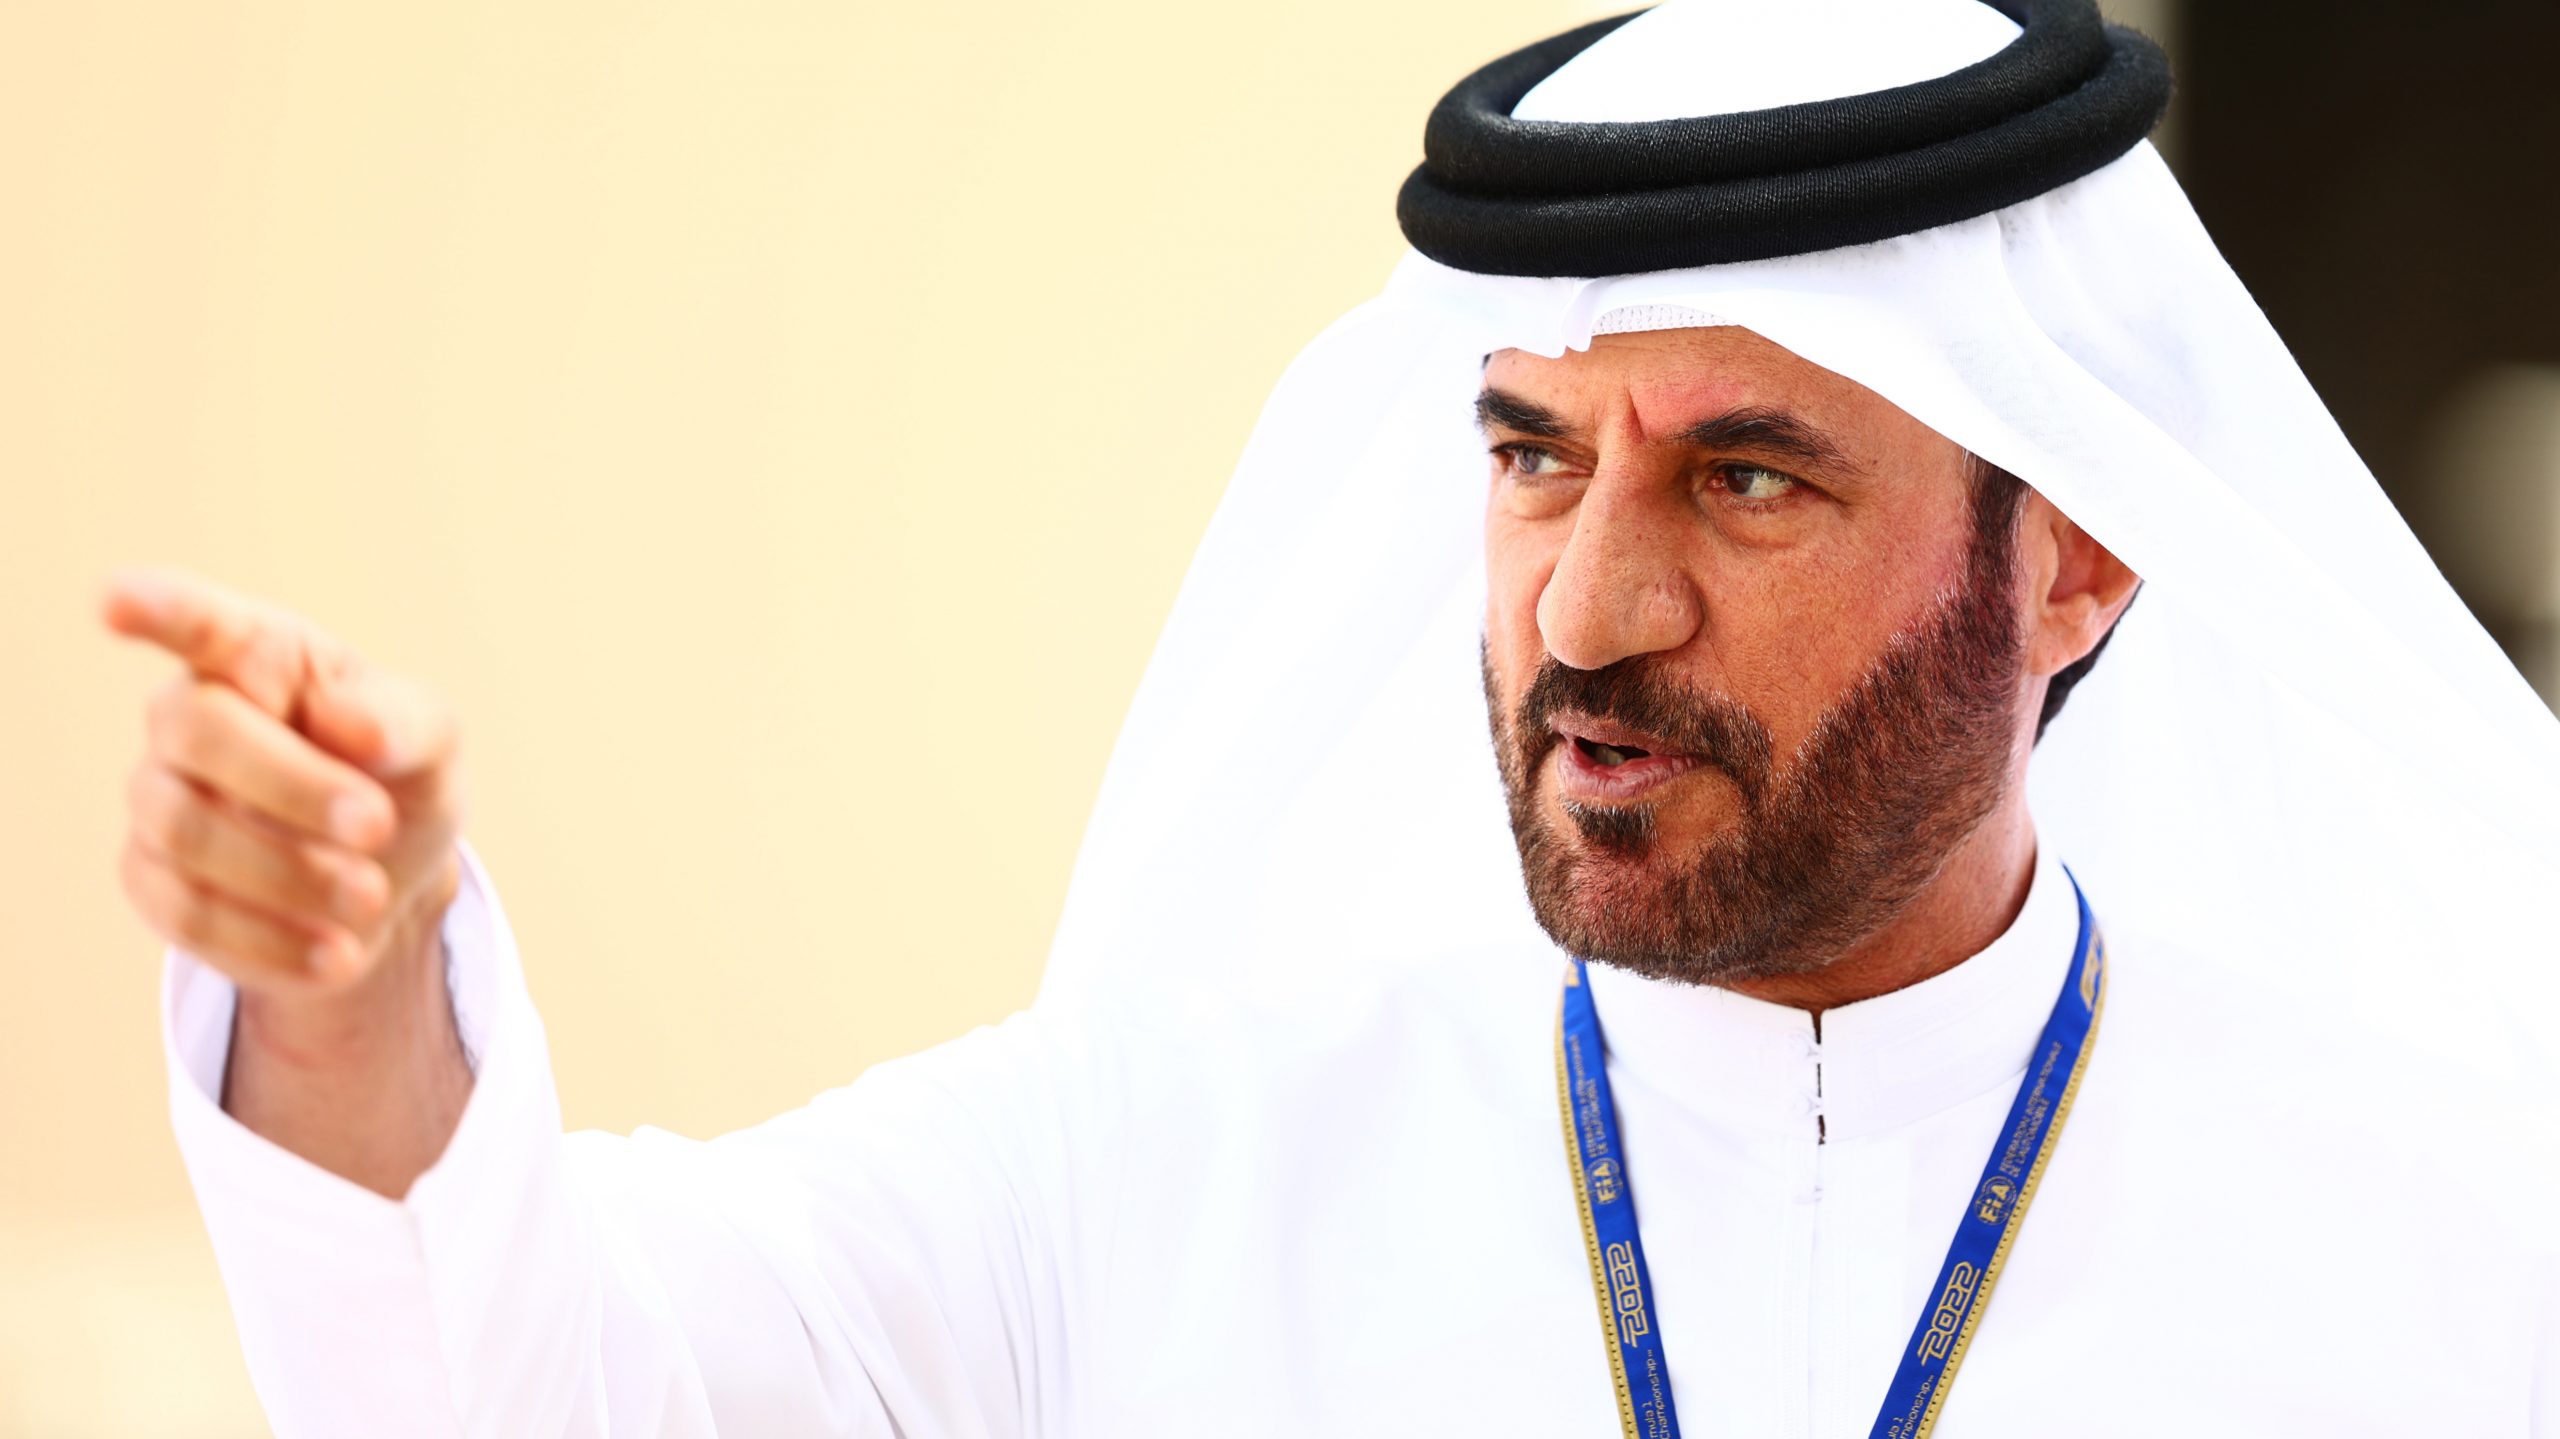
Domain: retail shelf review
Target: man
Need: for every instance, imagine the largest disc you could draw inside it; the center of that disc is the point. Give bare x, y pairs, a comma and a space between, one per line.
1801, 523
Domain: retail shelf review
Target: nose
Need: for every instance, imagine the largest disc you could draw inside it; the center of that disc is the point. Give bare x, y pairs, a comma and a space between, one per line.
1621, 587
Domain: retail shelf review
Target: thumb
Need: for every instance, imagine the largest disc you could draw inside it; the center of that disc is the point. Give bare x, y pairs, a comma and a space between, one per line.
385, 724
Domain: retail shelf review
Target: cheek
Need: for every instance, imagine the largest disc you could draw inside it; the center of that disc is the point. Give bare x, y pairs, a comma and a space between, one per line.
1790, 636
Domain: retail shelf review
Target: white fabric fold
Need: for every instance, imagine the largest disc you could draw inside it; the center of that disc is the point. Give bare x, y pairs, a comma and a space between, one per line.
361, 1314
823, 1274
1348, 1213
2297, 705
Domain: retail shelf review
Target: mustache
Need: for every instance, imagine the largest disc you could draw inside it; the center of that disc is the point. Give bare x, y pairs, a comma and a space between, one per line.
1637, 693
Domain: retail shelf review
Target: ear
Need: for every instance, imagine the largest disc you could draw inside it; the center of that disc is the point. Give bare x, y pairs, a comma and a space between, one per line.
2076, 587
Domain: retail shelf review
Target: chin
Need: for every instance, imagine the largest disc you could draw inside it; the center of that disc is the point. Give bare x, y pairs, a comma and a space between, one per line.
1682, 909
1614, 904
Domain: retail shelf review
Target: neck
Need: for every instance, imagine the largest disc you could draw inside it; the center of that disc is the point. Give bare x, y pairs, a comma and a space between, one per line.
1972, 901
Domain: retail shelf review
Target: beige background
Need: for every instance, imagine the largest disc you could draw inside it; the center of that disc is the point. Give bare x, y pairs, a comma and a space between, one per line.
779, 427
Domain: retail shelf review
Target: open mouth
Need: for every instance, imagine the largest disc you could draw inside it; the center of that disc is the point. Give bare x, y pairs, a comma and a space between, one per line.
1609, 756
1607, 763
1608, 744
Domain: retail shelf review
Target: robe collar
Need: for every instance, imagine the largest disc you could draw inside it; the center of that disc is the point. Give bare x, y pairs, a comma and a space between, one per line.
1880, 1064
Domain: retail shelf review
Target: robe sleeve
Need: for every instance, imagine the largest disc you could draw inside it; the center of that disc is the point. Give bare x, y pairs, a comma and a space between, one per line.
891, 1259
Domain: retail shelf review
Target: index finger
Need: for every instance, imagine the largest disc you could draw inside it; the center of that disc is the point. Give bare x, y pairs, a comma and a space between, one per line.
203, 624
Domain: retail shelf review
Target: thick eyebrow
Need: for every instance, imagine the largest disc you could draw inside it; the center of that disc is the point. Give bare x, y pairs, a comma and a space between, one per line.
1767, 431
1500, 409
1771, 432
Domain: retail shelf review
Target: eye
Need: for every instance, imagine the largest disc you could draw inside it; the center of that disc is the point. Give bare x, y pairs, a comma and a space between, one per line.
1753, 482
1529, 461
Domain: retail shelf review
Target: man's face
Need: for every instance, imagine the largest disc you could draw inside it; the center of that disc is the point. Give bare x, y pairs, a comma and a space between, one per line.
1752, 650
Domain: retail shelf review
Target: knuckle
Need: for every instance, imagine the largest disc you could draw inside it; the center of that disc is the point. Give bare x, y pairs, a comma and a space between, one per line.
374, 882
222, 633
189, 913
179, 724
149, 819
429, 803
354, 892
188, 828
367, 934
332, 661
155, 897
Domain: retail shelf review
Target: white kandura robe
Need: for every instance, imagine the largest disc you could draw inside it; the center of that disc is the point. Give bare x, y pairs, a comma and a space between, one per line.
1354, 1218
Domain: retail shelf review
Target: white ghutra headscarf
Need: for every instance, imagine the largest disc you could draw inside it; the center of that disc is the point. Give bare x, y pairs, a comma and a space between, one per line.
2301, 758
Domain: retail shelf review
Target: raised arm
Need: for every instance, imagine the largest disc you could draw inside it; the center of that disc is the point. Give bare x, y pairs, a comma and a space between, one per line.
363, 1095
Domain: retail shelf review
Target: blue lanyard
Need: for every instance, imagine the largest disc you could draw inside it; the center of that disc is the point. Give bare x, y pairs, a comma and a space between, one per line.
1624, 1287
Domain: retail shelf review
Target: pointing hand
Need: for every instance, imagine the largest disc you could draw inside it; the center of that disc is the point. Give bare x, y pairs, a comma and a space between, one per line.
294, 814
